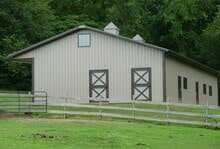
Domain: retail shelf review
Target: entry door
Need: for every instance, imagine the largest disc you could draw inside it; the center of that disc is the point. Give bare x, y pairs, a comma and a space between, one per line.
99, 83
179, 89
197, 92
141, 84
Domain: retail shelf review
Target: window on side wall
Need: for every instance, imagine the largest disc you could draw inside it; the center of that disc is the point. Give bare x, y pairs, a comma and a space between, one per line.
204, 89
84, 40
210, 90
185, 83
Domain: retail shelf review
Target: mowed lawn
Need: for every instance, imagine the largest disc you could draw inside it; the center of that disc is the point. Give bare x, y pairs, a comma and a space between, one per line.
90, 134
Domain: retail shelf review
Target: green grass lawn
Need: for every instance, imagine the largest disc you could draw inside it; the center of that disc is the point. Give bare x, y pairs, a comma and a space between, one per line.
71, 134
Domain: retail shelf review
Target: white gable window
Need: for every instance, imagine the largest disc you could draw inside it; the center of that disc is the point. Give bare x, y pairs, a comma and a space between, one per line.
84, 40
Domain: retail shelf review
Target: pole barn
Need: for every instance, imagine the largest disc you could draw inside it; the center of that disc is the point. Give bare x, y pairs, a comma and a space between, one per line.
85, 63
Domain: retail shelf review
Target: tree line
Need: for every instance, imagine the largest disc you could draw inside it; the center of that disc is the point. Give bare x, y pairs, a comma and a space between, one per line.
189, 27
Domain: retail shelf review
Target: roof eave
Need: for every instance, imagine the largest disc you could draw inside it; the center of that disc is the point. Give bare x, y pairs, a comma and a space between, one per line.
39, 44
193, 62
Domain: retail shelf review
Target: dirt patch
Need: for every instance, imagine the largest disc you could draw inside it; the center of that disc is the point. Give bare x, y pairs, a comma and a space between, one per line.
45, 136
31, 120
7, 116
143, 145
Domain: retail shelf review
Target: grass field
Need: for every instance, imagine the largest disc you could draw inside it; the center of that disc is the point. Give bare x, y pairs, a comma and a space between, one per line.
84, 134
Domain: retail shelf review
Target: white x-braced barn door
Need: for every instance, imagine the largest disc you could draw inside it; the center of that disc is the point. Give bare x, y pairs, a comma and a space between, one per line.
98, 84
141, 84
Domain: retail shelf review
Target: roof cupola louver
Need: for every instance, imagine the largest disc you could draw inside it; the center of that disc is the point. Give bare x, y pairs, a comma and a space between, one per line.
112, 28
138, 38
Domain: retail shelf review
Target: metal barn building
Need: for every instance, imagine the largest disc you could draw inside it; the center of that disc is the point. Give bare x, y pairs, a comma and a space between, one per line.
85, 63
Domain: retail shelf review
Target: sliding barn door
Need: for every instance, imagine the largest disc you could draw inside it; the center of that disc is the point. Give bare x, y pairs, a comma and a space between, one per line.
98, 84
141, 84
179, 89
197, 92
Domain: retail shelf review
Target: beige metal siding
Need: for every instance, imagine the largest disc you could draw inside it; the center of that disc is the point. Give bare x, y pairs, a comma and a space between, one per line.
175, 69
62, 68
27, 55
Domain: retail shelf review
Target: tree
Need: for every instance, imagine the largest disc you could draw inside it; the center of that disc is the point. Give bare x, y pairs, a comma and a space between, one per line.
190, 27
179, 24
37, 20
210, 40
22, 23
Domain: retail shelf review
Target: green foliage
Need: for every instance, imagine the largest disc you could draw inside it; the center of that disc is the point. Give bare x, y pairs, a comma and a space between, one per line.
190, 27
211, 43
179, 24
22, 23
37, 20
11, 44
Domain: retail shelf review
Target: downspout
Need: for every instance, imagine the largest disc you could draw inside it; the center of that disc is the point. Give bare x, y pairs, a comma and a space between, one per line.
32, 76
164, 77
218, 90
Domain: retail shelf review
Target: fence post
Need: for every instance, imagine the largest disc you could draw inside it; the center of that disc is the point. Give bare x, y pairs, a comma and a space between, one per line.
133, 107
167, 113
64, 107
19, 103
46, 102
29, 102
207, 113
100, 109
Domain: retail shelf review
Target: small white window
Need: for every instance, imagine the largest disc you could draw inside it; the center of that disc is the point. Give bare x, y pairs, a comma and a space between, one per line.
84, 40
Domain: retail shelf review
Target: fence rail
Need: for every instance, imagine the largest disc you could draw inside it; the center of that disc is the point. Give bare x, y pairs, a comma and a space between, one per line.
136, 109
23, 102
202, 115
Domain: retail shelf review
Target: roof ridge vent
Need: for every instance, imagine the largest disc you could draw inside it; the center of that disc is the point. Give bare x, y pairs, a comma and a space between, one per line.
82, 26
112, 28
138, 38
